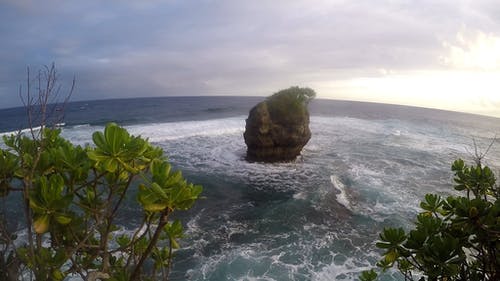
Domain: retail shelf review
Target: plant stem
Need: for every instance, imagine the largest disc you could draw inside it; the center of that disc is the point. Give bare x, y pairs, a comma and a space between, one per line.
162, 222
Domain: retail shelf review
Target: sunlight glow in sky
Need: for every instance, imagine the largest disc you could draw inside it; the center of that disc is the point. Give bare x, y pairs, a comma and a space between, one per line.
436, 54
471, 83
451, 90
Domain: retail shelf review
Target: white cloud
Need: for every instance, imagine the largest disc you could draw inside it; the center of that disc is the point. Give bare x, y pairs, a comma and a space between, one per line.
474, 50
345, 49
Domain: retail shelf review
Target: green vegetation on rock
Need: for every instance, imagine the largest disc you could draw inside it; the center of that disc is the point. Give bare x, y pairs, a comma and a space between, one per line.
290, 105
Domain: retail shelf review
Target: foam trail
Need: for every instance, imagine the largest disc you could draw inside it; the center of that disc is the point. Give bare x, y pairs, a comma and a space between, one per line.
342, 196
158, 132
22, 131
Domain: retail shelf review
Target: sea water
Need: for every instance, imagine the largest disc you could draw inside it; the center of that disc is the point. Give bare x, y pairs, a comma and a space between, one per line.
366, 167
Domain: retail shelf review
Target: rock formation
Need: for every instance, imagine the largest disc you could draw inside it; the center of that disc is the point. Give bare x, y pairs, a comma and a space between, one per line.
278, 128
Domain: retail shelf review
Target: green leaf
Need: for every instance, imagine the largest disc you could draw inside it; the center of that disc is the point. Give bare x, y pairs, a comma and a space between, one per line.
57, 275
149, 200
368, 275
41, 224
391, 256
99, 140
155, 207
394, 236
96, 155
384, 264
63, 219
123, 240
110, 165
416, 239
174, 230
158, 191
174, 243
432, 203
115, 138
458, 165
36, 205
141, 245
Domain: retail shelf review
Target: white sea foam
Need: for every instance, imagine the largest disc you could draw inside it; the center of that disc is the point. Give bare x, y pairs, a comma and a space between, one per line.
178, 130
342, 196
81, 126
22, 131
291, 227
350, 269
80, 134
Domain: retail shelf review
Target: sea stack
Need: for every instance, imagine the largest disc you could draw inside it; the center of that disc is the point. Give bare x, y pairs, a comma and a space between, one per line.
278, 128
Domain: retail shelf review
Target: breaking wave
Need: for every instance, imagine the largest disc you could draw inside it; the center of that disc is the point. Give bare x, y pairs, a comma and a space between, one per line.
313, 219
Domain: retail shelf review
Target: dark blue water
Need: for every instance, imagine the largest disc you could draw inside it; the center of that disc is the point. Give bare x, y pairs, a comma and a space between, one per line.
170, 109
366, 166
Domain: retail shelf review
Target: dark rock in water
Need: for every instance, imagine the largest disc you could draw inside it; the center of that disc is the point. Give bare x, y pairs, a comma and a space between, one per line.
278, 128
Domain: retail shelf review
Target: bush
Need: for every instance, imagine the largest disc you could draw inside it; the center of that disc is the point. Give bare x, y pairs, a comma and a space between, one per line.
457, 238
290, 104
71, 196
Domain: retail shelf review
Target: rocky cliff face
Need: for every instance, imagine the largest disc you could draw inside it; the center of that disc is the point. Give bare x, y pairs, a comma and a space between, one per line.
278, 128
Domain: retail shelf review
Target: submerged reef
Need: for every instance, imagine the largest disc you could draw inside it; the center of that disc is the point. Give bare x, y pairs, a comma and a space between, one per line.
278, 128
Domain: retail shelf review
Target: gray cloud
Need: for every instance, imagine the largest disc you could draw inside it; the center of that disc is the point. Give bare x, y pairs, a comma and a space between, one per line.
155, 48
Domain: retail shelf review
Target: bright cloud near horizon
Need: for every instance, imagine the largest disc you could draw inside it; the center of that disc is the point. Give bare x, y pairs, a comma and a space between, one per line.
436, 54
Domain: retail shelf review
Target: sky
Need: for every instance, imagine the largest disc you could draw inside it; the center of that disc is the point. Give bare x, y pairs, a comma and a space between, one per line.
428, 53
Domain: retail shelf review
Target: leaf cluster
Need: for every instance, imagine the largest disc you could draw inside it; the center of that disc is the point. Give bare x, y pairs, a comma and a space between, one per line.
290, 104
455, 238
72, 195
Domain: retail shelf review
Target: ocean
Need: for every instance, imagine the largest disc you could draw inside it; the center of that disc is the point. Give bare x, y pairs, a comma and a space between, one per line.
366, 167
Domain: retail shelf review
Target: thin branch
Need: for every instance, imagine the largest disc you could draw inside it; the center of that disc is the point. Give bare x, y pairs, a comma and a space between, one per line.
162, 222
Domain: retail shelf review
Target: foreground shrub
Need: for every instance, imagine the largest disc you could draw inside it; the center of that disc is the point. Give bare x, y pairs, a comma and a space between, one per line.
71, 196
455, 238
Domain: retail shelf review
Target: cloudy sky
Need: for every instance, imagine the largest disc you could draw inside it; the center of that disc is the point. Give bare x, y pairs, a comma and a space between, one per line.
439, 54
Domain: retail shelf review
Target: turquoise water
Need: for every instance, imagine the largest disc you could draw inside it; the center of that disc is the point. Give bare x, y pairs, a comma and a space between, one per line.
365, 167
